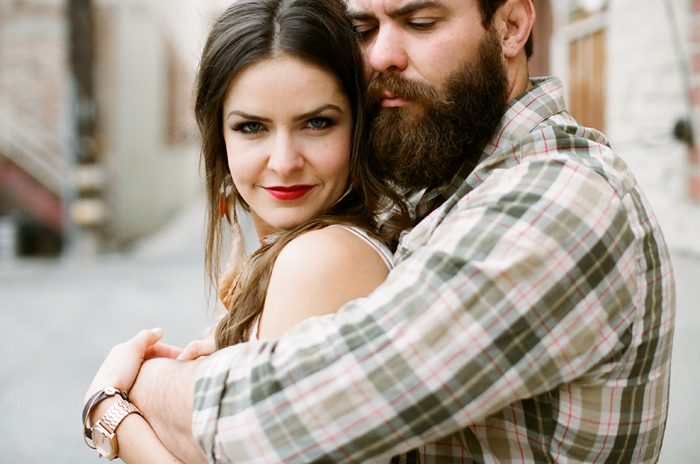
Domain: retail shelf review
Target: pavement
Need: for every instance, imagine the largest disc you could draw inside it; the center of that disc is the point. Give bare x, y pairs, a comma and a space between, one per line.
58, 320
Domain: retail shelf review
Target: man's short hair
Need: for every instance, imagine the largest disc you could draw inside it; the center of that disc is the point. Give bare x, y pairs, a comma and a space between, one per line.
488, 9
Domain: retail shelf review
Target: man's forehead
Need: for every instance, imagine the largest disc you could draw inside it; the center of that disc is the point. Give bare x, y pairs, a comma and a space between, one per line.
363, 9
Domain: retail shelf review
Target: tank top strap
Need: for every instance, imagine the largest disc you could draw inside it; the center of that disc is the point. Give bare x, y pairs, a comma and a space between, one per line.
378, 246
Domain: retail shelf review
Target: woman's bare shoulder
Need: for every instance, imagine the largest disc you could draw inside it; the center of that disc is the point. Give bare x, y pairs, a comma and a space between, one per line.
315, 274
325, 246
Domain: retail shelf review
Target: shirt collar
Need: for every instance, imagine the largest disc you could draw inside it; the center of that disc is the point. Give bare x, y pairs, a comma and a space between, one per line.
523, 114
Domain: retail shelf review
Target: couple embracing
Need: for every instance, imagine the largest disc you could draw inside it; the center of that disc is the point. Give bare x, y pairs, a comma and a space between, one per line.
451, 268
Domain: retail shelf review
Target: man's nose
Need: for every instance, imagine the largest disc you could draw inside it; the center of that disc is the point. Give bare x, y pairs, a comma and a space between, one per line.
285, 157
386, 54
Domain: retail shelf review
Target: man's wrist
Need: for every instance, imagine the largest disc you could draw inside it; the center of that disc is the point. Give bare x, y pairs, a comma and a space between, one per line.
164, 392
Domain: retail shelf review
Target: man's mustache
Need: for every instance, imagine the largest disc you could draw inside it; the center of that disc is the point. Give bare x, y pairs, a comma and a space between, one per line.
404, 88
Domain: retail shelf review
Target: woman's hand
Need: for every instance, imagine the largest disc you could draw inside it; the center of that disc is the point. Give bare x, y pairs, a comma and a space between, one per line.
196, 349
123, 363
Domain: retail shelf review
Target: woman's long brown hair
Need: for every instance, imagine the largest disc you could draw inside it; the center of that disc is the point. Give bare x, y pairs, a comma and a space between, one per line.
250, 31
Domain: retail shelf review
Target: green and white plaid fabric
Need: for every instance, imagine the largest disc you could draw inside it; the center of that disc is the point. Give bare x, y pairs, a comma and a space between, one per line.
529, 319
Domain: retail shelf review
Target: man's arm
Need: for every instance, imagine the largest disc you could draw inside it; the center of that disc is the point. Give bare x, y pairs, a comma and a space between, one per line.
164, 392
502, 299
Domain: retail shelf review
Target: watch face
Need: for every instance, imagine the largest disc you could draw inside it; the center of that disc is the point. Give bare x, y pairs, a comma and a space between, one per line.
103, 443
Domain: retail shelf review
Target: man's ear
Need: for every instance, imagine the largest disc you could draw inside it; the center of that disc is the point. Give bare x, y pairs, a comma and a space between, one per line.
514, 20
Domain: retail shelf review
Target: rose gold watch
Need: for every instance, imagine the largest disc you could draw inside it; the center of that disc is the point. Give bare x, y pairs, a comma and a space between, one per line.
104, 431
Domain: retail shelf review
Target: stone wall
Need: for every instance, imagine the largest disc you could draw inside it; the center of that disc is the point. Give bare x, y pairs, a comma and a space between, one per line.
648, 96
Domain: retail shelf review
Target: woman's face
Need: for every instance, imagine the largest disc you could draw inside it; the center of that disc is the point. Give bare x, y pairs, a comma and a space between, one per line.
288, 128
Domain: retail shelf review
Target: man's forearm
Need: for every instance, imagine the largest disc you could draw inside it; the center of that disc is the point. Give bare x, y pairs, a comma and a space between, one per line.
164, 392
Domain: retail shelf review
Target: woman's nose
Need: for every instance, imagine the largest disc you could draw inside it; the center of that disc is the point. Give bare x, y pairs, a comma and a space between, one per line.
285, 157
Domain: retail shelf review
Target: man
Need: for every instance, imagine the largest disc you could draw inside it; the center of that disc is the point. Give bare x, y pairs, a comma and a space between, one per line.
530, 314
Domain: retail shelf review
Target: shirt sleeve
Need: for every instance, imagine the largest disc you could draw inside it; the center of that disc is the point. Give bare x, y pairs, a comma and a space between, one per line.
505, 292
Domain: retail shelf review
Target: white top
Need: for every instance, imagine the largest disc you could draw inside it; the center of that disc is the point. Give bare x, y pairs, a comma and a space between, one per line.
381, 249
386, 255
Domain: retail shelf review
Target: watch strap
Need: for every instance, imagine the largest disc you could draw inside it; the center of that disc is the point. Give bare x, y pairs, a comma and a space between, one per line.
94, 400
116, 414
108, 424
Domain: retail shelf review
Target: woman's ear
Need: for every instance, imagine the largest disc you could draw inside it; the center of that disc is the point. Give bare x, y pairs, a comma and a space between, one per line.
513, 21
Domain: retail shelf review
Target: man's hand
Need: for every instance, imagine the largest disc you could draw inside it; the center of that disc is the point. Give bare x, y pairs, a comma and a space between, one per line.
197, 349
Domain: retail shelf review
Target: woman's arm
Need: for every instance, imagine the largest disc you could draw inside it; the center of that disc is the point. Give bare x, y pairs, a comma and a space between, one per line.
137, 441
316, 274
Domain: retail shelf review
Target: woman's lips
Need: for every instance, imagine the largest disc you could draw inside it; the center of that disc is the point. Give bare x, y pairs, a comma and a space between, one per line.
290, 193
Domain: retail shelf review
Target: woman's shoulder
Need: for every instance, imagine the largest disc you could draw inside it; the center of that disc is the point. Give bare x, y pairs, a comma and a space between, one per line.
316, 273
335, 243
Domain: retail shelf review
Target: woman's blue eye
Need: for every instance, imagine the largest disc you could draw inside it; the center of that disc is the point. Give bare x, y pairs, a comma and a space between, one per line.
248, 127
319, 123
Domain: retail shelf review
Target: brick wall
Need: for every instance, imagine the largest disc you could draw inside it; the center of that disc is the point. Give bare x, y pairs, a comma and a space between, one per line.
694, 52
33, 109
145, 62
33, 68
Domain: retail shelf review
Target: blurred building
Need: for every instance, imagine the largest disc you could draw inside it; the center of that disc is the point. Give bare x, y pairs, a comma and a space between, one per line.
632, 69
145, 141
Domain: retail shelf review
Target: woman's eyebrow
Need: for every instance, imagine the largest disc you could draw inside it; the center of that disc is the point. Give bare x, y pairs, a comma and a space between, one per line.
318, 110
247, 116
306, 115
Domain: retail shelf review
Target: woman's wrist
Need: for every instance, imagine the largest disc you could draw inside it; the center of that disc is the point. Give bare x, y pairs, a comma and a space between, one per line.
93, 402
104, 432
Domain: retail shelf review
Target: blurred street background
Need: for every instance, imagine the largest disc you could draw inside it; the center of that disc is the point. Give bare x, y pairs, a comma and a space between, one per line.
101, 205
59, 319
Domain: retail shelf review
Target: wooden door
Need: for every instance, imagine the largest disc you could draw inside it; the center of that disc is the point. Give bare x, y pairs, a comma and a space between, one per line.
587, 79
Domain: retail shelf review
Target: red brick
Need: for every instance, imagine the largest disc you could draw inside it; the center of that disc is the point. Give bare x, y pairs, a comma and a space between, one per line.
695, 32
694, 187
695, 64
694, 173
694, 157
695, 96
695, 8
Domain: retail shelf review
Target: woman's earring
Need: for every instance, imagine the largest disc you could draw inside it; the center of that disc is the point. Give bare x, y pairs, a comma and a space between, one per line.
222, 204
226, 202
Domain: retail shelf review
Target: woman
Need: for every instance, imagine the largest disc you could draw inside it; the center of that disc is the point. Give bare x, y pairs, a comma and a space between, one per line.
280, 108
288, 87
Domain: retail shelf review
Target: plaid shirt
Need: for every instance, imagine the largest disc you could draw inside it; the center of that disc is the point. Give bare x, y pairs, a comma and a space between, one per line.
529, 319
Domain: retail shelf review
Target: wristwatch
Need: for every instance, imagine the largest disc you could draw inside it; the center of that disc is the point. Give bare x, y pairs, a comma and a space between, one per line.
104, 431
94, 401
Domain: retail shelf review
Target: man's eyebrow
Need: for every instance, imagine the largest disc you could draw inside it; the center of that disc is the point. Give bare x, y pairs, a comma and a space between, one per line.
413, 7
360, 15
404, 10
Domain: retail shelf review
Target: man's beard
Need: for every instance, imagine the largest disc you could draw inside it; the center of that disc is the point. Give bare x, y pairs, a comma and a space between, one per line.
415, 151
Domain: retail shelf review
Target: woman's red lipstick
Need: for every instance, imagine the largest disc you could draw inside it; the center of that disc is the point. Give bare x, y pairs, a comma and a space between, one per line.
293, 192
